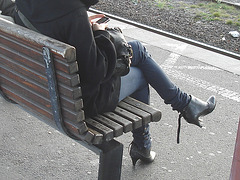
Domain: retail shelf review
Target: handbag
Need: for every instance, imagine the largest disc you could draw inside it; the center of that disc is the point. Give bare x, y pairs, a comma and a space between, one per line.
123, 50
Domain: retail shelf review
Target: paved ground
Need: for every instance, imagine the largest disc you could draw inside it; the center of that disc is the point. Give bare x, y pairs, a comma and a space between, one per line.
234, 2
30, 149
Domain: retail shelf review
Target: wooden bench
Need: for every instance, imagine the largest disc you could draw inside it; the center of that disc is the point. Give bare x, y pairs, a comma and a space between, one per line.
41, 75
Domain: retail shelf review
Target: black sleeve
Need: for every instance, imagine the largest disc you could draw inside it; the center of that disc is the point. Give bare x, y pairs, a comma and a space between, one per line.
96, 53
107, 49
89, 3
7, 7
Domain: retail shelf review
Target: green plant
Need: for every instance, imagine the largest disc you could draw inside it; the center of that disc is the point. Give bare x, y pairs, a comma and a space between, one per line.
216, 14
209, 11
237, 24
161, 4
229, 22
193, 6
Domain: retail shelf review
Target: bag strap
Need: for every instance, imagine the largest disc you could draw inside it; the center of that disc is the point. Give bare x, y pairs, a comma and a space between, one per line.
25, 21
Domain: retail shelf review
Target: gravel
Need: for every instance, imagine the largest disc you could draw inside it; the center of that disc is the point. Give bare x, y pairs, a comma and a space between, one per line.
180, 21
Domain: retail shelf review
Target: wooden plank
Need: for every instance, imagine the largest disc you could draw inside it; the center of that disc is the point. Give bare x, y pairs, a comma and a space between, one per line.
88, 137
117, 128
70, 80
25, 92
71, 92
74, 93
76, 128
156, 114
29, 99
24, 70
75, 116
136, 120
27, 104
127, 125
37, 63
107, 132
146, 117
98, 137
68, 68
74, 105
22, 87
29, 37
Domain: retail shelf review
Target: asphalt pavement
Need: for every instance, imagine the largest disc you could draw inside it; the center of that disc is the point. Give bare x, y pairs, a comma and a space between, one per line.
31, 149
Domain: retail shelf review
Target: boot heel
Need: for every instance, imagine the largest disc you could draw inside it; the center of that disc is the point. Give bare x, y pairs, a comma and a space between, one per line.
144, 155
134, 160
194, 110
198, 108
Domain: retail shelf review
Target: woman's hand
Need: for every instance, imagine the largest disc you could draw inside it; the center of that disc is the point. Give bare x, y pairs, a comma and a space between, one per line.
94, 18
93, 21
96, 26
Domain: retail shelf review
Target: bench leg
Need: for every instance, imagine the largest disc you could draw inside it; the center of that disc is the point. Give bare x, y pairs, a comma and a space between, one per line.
110, 163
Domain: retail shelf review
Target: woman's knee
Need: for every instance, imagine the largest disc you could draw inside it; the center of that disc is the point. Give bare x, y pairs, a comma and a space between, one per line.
136, 45
138, 52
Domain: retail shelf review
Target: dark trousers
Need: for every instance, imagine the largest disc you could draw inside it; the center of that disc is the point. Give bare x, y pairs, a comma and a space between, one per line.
144, 72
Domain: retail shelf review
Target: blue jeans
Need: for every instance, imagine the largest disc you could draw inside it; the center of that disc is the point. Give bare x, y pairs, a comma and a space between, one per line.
145, 71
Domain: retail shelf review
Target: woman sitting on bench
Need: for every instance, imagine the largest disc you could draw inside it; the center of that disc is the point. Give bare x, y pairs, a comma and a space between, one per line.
68, 22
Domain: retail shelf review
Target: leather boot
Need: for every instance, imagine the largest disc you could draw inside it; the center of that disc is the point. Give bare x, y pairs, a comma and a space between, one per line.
195, 109
145, 155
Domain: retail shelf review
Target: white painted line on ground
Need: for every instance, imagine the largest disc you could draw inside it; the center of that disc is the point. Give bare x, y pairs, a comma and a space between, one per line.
198, 67
168, 68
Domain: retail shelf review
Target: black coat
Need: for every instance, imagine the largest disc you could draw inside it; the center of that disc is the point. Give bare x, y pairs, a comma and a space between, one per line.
67, 21
7, 7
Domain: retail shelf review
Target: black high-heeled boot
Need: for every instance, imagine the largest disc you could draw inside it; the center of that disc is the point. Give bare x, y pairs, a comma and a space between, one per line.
195, 109
145, 155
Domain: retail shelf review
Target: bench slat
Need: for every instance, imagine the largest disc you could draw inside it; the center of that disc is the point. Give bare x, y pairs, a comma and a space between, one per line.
146, 117
118, 129
38, 105
106, 131
79, 128
28, 37
71, 92
74, 92
22, 82
26, 103
37, 63
136, 120
98, 137
127, 125
71, 80
156, 114
73, 115
74, 105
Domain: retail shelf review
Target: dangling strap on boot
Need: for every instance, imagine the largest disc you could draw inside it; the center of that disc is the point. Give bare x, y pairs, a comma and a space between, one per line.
195, 109
179, 127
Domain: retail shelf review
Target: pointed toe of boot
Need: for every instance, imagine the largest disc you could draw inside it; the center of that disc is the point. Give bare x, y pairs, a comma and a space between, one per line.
198, 108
